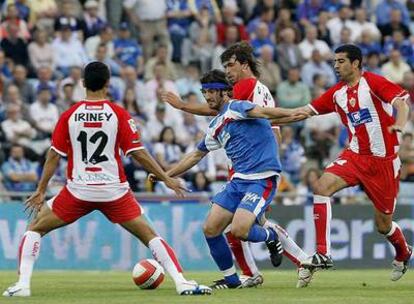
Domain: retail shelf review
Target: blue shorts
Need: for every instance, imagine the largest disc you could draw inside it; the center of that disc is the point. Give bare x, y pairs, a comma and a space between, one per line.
252, 195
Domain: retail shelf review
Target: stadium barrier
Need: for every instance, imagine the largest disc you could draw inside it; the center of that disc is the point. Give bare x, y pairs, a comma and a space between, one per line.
94, 243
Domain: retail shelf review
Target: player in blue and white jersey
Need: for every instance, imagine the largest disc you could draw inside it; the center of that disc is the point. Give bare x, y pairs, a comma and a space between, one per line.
244, 131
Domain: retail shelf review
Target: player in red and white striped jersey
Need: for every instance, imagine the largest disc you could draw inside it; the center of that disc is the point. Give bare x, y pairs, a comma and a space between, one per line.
242, 71
92, 134
365, 103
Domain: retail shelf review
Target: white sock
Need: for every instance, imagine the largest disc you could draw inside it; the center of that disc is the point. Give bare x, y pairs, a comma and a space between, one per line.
28, 253
248, 256
291, 249
165, 255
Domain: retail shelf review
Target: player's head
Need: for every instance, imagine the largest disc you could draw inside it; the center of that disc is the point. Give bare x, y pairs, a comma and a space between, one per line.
239, 62
96, 77
215, 88
348, 61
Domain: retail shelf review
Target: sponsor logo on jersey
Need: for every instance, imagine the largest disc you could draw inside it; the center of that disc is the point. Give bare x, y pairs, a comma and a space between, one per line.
250, 198
94, 107
360, 117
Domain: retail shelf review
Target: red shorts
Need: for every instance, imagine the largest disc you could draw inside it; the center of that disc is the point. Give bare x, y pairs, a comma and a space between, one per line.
69, 208
380, 177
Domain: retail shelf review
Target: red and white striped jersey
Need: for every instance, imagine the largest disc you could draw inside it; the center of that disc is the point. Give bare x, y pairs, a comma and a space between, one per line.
366, 110
253, 90
92, 134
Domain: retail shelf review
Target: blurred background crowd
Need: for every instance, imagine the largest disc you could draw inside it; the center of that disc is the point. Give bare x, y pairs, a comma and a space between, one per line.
156, 45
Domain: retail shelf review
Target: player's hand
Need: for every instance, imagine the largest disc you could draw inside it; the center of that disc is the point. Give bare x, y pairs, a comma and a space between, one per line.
35, 202
176, 185
174, 100
152, 177
395, 128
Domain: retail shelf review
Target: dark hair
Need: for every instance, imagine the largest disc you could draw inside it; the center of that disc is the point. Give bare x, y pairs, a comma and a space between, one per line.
244, 54
96, 75
164, 130
214, 76
352, 52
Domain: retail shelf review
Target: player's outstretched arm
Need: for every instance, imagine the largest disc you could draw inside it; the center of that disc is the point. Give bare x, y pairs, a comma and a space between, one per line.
281, 115
188, 161
400, 104
35, 201
150, 165
175, 101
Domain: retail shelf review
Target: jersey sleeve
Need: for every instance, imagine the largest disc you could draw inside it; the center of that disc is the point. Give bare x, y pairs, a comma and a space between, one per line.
202, 145
325, 104
129, 137
384, 89
60, 136
238, 109
244, 89
208, 143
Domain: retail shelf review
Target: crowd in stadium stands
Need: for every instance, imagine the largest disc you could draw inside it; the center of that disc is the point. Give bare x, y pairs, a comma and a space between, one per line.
152, 46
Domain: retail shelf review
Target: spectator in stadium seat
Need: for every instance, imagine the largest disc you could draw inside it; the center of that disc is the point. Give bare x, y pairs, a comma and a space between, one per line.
114, 12
316, 65
67, 18
362, 24
189, 130
304, 190
394, 24
167, 151
230, 18
102, 56
292, 92
190, 82
44, 78
270, 74
405, 46
179, 15
372, 63
322, 26
292, 154
127, 50
368, 44
161, 56
345, 37
406, 153
308, 11
395, 68
12, 97
150, 19
23, 9
283, 21
106, 36
25, 87
201, 50
200, 183
130, 79
12, 17
42, 14
311, 43
5, 72
44, 114
288, 53
211, 6
261, 39
267, 16
68, 52
231, 37
41, 51
75, 78
66, 100
14, 47
92, 23
19, 173
384, 9
343, 20
319, 84
157, 122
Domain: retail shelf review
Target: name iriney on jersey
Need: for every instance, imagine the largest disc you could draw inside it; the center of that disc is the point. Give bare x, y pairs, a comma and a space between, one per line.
89, 117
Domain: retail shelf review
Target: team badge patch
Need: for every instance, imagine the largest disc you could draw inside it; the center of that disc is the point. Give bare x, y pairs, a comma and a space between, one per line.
132, 125
352, 102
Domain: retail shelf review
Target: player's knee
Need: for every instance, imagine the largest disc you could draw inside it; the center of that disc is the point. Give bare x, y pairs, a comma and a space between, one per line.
210, 230
382, 227
239, 231
38, 226
320, 189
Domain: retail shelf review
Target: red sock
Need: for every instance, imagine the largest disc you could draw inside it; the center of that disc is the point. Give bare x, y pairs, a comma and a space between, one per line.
397, 239
322, 217
237, 249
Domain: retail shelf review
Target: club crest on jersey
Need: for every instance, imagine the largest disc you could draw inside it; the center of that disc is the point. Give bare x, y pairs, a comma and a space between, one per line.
132, 125
352, 102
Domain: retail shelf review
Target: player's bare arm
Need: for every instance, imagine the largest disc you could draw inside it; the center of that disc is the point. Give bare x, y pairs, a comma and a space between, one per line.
35, 201
400, 104
193, 108
188, 161
279, 115
150, 165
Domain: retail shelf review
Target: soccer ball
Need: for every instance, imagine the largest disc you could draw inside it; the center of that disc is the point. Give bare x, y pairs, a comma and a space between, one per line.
148, 274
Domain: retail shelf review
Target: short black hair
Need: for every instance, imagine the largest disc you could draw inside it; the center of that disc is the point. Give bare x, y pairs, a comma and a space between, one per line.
244, 54
215, 76
96, 74
352, 52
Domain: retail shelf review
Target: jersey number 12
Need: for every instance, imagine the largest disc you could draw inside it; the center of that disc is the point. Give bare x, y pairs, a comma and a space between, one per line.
97, 156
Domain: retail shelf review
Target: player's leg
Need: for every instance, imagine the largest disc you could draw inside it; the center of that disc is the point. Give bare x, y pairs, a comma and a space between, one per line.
217, 220
45, 221
127, 212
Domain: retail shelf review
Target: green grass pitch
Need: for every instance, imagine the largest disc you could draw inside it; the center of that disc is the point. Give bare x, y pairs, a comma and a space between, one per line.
333, 287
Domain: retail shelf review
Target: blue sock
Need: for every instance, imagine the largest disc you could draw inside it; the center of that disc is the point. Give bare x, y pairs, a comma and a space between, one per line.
258, 234
220, 251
